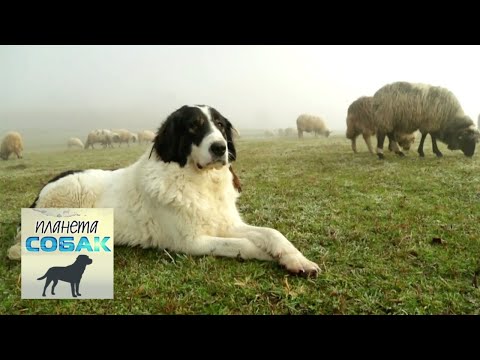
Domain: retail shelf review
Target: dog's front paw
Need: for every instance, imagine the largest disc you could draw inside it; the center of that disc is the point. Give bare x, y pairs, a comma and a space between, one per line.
15, 252
299, 264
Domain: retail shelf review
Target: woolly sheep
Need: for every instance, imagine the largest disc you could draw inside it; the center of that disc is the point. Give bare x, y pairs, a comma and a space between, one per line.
75, 142
11, 143
360, 121
311, 123
289, 132
406, 107
146, 136
124, 136
102, 136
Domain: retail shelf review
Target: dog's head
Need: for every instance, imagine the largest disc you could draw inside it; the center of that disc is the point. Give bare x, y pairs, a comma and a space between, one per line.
84, 260
198, 134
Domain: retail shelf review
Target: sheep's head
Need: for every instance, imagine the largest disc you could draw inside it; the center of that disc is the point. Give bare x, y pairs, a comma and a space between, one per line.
405, 140
465, 140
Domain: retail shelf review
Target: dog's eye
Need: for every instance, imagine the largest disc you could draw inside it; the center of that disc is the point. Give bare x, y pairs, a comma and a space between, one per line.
195, 125
219, 124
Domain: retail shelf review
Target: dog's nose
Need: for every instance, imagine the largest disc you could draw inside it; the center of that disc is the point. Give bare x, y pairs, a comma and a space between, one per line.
218, 148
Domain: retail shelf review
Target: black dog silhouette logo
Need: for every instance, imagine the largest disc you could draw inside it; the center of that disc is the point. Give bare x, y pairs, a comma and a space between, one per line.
71, 274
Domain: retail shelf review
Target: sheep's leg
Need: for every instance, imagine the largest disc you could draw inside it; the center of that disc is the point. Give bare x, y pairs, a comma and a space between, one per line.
434, 146
393, 144
380, 141
354, 145
420, 146
300, 134
368, 141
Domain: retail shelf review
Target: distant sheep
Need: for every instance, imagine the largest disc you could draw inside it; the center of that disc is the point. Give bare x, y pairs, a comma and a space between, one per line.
75, 142
289, 132
311, 123
268, 133
406, 107
124, 136
145, 136
360, 121
103, 136
11, 143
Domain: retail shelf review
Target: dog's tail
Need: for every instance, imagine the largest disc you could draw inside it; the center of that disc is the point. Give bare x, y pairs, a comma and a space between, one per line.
43, 277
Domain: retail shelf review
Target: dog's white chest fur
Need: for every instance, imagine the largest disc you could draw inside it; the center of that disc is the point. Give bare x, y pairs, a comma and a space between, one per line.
155, 201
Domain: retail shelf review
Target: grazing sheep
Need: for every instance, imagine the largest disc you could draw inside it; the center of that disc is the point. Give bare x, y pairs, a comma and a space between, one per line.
289, 132
124, 136
102, 136
406, 107
145, 136
360, 121
310, 123
75, 142
11, 143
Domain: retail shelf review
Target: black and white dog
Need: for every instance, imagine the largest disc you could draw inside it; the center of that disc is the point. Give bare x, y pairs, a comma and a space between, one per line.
179, 195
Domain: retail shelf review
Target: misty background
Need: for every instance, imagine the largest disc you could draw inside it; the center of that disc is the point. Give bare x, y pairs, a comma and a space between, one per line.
70, 90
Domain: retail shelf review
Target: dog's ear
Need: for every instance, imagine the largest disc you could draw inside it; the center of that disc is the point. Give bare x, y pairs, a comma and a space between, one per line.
230, 131
169, 143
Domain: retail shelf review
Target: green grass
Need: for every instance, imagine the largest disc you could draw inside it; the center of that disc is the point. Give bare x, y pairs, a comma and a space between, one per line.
369, 224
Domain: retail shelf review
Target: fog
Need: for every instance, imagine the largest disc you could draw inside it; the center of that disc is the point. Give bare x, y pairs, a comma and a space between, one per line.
78, 88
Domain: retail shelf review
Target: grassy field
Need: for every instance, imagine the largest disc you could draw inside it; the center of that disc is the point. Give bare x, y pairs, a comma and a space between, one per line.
399, 236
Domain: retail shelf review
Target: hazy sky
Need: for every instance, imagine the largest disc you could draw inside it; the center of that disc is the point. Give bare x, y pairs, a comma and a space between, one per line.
254, 86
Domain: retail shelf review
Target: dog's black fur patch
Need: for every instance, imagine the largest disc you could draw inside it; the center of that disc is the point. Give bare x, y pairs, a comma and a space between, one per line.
187, 126
225, 128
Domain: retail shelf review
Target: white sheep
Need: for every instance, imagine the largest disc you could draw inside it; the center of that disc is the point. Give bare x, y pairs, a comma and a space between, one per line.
145, 136
124, 136
103, 136
289, 132
407, 107
75, 142
11, 143
311, 123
